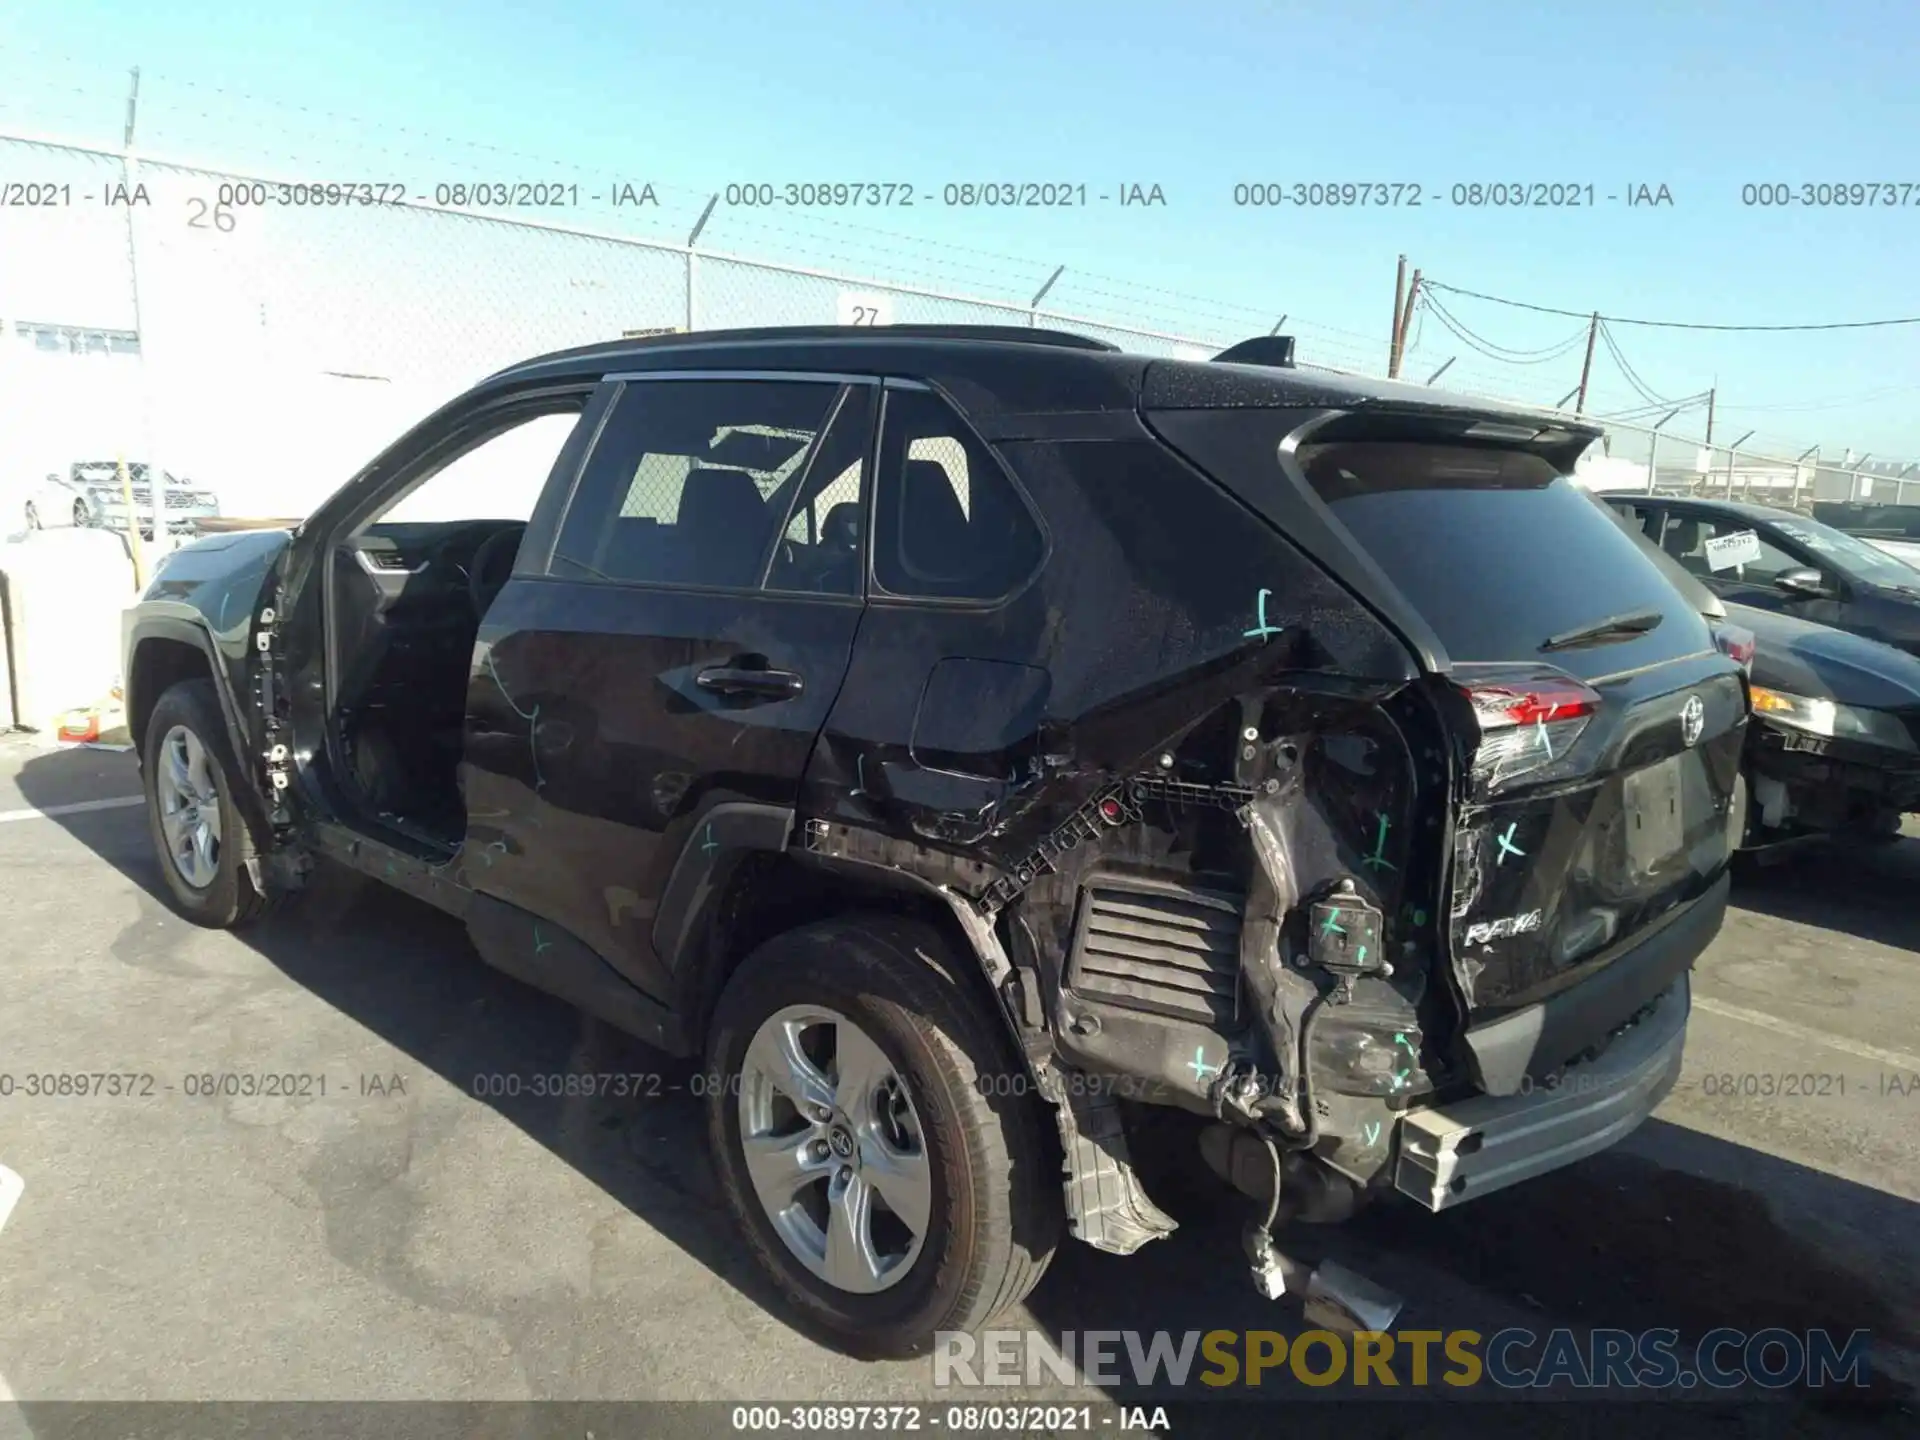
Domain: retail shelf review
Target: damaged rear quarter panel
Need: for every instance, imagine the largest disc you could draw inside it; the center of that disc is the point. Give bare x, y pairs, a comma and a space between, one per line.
1167, 619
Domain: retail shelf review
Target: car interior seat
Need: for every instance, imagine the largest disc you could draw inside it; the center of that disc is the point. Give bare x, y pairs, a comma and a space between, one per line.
720, 527
1683, 542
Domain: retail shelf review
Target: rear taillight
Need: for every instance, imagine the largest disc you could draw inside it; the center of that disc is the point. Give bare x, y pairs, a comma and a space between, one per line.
1528, 721
1736, 643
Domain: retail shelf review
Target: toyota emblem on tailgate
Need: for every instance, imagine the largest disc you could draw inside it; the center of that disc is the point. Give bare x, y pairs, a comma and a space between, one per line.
1693, 719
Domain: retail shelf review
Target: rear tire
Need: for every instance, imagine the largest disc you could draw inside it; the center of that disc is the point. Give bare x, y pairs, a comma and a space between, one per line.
33, 516
80, 519
190, 774
992, 1214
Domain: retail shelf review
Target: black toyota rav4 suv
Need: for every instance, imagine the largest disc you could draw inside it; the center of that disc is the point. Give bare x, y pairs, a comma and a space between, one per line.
976, 744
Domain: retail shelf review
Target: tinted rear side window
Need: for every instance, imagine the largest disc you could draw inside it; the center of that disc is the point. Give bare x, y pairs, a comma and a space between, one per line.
1498, 552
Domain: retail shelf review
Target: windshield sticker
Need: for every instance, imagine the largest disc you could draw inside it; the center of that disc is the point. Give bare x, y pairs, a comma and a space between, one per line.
1808, 538
1724, 552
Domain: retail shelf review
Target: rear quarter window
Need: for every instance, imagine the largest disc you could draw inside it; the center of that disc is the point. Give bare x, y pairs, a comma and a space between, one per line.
1498, 551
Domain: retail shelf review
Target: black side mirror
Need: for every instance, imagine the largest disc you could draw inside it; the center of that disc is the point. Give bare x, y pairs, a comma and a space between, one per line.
1805, 582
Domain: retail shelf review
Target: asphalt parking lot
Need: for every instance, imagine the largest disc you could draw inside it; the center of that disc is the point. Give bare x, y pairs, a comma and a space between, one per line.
400, 1237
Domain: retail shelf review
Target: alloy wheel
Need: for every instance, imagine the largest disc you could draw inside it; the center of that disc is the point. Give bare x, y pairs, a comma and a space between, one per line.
189, 799
834, 1149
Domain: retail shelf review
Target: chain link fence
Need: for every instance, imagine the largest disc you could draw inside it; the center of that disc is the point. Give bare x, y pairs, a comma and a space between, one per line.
263, 336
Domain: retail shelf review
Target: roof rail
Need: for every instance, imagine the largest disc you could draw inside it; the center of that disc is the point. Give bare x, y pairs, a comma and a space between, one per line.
1260, 350
1002, 334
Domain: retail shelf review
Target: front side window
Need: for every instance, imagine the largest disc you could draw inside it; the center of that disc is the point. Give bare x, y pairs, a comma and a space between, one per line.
1724, 549
500, 478
690, 481
948, 523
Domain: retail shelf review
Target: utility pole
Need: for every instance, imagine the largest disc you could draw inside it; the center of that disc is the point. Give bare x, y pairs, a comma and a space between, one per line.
1406, 318
1393, 333
1710, 396
1586, 366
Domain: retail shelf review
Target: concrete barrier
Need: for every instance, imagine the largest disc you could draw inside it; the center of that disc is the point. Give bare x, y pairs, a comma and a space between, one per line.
65, 590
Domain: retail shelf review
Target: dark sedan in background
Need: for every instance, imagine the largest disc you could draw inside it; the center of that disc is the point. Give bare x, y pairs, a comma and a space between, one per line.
1781, 561
1833, 747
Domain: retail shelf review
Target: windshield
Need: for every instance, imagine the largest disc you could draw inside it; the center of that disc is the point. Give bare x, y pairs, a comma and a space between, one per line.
1849, 554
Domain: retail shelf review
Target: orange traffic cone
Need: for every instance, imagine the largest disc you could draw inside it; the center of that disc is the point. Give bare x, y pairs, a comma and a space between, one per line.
80, 726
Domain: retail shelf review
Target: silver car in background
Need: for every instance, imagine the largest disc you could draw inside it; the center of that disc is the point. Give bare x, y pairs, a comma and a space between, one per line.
90, 494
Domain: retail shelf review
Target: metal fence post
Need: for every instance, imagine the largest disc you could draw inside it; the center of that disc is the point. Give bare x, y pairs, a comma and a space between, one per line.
1033, 306
1798, 465
156, 476
1653, 449
693, 264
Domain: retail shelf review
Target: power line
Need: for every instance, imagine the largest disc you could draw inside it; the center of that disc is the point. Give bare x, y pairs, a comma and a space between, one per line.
1672, 324
1646, 391
1505, 354
1519, 356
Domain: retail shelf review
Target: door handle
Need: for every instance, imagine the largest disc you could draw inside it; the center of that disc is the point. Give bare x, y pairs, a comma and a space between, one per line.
739, 680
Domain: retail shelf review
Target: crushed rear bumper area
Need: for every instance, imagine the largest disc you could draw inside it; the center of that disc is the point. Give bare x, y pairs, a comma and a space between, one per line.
1520, 1052
1458, 1151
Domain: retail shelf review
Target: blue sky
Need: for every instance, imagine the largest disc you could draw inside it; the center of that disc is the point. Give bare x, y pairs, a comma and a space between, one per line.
1699, 97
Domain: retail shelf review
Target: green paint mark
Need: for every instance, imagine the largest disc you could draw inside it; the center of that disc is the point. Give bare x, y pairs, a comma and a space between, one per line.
1413, 1058
1260, 626
1332, 926
1372, 1132
1378, 859
1201, 1069
1507, 847
538, 943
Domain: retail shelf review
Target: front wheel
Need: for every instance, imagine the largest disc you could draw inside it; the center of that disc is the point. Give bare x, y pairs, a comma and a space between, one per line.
202, 838
80, 513
874, 1137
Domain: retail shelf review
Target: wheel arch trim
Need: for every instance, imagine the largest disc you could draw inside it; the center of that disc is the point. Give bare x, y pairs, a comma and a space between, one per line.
249, 800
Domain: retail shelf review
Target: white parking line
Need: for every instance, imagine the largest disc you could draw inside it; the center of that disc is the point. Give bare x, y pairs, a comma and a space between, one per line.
78, 807
1764, 1021
13, 1421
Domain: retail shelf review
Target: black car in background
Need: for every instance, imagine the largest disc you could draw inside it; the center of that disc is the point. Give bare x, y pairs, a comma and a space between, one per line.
1833, 746
1778, 560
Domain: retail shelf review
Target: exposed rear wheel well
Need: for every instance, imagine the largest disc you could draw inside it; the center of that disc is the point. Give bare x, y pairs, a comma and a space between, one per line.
159, 665
769, 894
